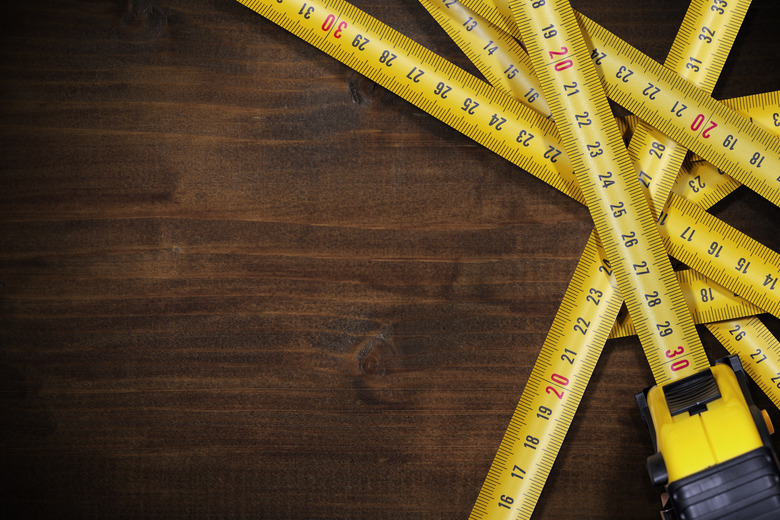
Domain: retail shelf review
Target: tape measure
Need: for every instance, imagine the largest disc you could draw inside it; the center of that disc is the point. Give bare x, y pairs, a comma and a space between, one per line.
490, 48
704, 184
449, 94
707, 302
758, 349
675, 107
562, 64
703, 293
421, 77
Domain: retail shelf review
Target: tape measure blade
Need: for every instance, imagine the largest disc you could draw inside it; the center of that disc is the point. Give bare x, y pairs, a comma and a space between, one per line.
495, 53
707, 301
709, 128
757, 348
607, 180
701, 182
553, 392
480, 112
725, 255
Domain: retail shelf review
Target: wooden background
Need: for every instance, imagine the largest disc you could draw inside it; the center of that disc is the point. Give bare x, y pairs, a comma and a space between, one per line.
238, 280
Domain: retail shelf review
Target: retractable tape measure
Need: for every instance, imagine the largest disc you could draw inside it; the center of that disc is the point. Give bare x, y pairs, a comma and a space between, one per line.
458, 99
531, 141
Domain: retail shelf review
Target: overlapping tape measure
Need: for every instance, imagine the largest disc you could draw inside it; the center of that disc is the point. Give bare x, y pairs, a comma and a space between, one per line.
462, 101
531, 141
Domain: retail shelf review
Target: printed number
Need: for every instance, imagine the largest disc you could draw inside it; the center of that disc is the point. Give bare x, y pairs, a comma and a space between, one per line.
555, 378
617, 209
657, 149
706, 295
777, 379
652, 299
360, 42
549, 32
676, 352
641, 268
595, 149
706, 35
717, 9
699, 121
769, 281
715, 249
441, 90
505, 501
552, 153
452, 2
544, 413
623, 73
415, 74
644, 178
758, 353
737, 333
531, 95
470, 24
565, 357
729, 142
605, 182
597, 56
537, 4
651, 90
630, 240
387, 57
561, 65
688, 233
531, 442
678, 111
607, 269
697, 185
664, 329
776, 119
518, 472
306, 11
582, 119
469, 106
496, 121
756, 160
328, 24
511, 72
580, 324
679, 364
594, 296
692, 64
572, 87
524, 137
488, 47
742, 266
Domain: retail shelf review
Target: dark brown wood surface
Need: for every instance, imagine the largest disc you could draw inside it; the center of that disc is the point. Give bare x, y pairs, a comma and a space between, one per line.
238, 280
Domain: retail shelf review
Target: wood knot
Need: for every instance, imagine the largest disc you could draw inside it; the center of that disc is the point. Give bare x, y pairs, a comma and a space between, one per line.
371, 357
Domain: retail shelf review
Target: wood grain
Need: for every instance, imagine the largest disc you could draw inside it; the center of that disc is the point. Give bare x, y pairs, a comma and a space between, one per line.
238, 280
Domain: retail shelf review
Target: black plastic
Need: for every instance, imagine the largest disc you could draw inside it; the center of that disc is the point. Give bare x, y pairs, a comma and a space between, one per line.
744, 488
656, 467
691, 394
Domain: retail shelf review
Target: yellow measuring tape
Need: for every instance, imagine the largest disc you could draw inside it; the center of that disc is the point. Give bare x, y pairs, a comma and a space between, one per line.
707, 302
479, 40
758, 349
574, 93
673, 106
444, 91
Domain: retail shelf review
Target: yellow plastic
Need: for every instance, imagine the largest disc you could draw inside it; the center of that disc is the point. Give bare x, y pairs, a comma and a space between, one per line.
692, 443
